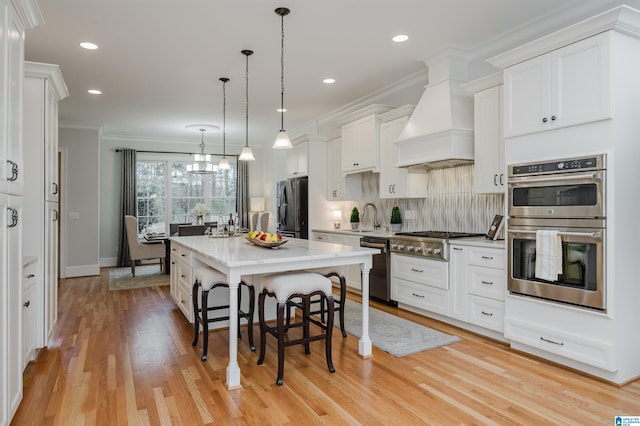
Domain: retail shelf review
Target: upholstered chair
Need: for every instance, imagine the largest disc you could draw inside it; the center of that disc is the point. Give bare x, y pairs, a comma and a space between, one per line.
142, 251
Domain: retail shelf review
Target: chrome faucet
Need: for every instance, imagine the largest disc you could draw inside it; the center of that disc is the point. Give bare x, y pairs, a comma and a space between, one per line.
375, 214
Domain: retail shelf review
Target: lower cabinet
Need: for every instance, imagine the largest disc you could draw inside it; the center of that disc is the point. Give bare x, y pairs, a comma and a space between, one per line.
181, 279
31, 307
421, 283
353, 272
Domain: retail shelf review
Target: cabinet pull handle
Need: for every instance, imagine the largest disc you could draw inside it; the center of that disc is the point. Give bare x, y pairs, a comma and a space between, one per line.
31, 275
418, 295
551, 341
55, 188
416, 270
487, 282
14, 217
553, 118
501, 178
183, 255
390, 190
487, 257
27, 303
56, 215
495, 180
182, 276
173, 263
544, 120
489, 314
457, 248
14, 171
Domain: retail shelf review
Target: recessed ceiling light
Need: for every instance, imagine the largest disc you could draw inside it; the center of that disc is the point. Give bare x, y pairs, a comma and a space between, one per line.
329, 80
281, 110
88, 45
400, 38
95, 91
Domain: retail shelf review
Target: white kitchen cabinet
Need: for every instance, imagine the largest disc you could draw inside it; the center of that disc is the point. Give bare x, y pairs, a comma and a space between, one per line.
298, 160
568, 86
50, 260
458, 263
353, 272
489, 167
396, 182
420, 283
181, 279
31, 309
361, 140
486, 285
335, 179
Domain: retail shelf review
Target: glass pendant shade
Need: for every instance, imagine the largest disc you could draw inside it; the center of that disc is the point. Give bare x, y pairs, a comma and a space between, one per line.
282, 141
224, 164
246, 154
202, 164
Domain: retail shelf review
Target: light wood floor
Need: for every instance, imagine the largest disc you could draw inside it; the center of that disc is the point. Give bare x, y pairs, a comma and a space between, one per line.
125, 357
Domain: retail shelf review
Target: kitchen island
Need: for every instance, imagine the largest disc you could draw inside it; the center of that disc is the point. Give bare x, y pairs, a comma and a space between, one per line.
235, 257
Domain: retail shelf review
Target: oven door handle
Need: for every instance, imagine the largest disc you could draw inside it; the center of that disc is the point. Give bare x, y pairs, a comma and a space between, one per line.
367, 244
596, 234
556, 178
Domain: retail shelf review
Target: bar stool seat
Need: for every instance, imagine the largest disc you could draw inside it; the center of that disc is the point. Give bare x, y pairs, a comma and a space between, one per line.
329, 272
285, 287
207, 279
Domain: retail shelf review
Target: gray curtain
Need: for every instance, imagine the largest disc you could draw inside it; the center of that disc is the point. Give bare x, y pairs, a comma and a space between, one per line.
127, 202
242, 193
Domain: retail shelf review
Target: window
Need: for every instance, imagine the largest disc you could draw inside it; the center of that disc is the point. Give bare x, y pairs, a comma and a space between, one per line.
166, 193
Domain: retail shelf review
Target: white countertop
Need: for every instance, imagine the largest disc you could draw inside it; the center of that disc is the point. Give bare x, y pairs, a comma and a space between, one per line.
358, 233
237, 251
478, 242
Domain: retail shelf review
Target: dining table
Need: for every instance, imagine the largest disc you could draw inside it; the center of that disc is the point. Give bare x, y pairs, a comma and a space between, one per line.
237, 256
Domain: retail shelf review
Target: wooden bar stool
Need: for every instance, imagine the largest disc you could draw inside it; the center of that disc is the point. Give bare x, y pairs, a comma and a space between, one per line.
207, 279
338, 303
285, 287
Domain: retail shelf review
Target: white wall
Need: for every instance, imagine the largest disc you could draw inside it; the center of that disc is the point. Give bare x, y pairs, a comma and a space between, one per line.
79, 202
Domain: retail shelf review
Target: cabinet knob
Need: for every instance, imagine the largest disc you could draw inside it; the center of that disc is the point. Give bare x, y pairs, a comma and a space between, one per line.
27, 303
553, 118
544, 120
31, 275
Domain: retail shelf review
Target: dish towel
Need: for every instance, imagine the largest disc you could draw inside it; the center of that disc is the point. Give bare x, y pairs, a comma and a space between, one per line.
548, 255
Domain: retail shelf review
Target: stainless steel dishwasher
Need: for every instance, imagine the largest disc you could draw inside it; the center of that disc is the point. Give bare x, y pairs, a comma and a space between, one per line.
379, 277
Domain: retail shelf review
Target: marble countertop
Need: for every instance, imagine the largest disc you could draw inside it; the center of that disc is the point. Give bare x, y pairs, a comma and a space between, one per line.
358, 233
478, 242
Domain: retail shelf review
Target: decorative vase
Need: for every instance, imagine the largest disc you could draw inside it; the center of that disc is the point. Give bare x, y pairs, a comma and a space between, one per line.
396, 227
199, 220
354, 225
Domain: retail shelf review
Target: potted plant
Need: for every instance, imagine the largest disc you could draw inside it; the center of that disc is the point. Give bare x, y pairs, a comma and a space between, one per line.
355, 218
396, 219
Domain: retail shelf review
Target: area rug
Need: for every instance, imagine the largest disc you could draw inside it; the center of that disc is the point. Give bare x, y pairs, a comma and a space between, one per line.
146, 276
393, 334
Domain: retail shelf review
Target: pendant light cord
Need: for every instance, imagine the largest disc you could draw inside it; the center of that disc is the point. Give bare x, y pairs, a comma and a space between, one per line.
246, 92
282, 72
224, 114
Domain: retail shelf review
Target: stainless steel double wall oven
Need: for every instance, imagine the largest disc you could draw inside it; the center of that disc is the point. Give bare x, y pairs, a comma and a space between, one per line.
567, 196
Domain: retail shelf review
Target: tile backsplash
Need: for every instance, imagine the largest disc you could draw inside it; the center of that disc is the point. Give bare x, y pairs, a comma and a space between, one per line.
450, 204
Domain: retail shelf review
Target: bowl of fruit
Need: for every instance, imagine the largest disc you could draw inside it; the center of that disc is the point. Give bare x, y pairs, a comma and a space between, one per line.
265, 239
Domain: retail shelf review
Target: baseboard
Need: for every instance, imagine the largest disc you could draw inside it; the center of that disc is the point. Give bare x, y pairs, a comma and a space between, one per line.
107, 262
82, 271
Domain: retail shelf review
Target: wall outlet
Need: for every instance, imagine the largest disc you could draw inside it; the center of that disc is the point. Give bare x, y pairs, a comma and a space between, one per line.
410, 214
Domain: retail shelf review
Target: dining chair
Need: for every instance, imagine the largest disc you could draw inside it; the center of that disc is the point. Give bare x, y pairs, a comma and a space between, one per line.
139, 250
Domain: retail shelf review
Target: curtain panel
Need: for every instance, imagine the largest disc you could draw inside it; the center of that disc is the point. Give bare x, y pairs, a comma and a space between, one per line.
127, 202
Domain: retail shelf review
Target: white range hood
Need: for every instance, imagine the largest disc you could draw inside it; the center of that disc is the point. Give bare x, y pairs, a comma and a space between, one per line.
440, 130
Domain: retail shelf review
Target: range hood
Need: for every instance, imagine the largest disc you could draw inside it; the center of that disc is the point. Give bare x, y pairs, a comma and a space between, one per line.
440, 130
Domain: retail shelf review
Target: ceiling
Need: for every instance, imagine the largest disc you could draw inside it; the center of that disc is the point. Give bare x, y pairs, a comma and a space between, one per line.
159, 61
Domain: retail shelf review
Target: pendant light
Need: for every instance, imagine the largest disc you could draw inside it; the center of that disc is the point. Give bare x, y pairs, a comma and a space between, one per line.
224, 163
282, 140
247, 154
202, 164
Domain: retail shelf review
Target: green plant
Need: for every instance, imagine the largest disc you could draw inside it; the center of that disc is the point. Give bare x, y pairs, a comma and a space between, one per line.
396, 217
355, 215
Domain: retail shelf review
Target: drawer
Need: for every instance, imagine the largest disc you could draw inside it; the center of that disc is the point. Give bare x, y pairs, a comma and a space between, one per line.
420, 296
180, 251
421, 271
487, 313
570, 346
490, 258
487, 282
184, 302
184, 276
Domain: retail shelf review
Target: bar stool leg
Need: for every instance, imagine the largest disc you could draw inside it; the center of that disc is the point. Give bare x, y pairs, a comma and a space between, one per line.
263, 328
205, 324
196, 322
329, 334
252, 307
280, 319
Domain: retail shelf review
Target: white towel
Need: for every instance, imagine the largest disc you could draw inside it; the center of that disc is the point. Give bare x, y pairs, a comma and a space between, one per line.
548, 255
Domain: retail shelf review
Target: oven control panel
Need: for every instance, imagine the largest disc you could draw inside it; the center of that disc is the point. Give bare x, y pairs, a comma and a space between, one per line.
415, 247
567, 165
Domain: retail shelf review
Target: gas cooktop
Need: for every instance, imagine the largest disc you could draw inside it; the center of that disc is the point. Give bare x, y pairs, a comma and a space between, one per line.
438, 234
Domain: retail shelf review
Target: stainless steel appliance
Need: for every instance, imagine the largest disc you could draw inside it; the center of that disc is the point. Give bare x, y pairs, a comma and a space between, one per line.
428, 244
572, 188
379, 277
567, 196
292, 208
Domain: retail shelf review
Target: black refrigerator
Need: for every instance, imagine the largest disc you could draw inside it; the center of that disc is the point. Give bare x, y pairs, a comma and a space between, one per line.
292, 208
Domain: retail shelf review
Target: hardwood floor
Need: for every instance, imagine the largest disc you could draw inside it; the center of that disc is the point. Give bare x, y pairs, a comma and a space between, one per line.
125, 357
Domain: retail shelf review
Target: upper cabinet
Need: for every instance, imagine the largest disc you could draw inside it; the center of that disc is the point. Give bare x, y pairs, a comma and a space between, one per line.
360, 139
489, 168
298, 160
335, 179
565, 87
396, 182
